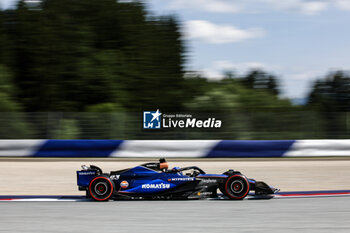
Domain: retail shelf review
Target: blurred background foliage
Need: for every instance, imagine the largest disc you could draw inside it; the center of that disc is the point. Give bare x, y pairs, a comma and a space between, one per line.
90, 69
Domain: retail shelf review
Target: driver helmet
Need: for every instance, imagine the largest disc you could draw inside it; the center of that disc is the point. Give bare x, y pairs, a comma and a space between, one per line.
163, 164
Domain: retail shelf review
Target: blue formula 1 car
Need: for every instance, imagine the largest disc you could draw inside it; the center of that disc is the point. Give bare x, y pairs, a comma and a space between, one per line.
156, 181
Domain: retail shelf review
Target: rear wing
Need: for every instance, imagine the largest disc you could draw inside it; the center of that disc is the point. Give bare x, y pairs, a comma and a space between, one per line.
85, 175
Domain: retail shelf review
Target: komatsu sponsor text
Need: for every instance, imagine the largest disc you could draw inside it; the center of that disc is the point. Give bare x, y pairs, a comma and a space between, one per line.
156, 186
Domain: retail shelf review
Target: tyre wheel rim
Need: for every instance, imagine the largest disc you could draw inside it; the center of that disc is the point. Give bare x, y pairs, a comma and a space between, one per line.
101, 188
237, 186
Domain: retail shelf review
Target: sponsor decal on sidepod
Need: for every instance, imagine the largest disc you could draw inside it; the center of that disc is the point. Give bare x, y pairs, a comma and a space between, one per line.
181, 179
124, 184
156, 186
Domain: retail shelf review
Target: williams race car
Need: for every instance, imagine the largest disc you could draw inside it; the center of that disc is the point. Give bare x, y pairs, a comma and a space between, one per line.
156, 181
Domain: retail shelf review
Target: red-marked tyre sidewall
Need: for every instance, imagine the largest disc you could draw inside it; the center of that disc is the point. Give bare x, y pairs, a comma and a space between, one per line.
101, 188
237, 187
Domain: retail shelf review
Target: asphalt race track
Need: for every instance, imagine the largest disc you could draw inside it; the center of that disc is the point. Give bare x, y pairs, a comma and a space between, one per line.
317, 214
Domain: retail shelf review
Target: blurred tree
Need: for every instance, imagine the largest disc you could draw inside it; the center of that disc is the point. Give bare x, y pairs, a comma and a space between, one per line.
7, 91
103, 56
68, 129
247, 112
12, 123
96, 51
258, 79
109, 117
331, 94
331, 97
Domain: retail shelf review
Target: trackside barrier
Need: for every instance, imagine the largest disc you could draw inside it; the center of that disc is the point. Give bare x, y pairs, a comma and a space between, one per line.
174, 148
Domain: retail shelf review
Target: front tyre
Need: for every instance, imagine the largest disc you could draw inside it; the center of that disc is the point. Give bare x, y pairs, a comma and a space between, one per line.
236, 187
101, 188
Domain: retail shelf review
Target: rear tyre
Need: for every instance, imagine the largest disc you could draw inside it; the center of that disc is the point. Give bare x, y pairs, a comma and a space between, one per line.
101, 188
236, 187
